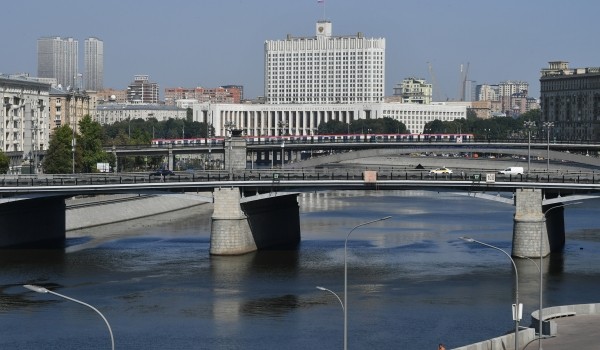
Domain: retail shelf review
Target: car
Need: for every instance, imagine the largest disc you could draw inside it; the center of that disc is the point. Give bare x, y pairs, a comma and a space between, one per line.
442, 171
162, 172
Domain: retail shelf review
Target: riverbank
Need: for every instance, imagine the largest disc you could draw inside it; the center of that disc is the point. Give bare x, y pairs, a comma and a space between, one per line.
102, 218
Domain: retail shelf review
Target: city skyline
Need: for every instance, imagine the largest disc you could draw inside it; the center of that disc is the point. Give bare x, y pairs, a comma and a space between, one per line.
218, 43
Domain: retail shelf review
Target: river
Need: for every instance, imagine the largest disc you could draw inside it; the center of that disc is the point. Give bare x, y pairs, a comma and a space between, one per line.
411, 282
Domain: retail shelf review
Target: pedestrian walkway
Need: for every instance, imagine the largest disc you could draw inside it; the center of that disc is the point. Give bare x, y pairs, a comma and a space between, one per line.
574, 332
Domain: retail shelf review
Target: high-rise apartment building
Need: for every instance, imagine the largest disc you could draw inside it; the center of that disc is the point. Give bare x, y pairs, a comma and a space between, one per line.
142, 90
94, 64
58, 58
325, 68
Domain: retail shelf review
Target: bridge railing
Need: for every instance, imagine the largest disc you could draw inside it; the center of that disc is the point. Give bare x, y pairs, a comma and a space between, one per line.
282, 175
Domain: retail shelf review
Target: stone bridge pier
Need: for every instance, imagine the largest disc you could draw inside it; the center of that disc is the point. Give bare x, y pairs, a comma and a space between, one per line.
530, 229
33, 223
241, 226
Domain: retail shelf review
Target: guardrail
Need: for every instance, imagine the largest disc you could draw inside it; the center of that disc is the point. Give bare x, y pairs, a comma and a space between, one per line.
304, 175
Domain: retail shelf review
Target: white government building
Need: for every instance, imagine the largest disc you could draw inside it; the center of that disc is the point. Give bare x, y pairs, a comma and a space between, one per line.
312, 80
308, 81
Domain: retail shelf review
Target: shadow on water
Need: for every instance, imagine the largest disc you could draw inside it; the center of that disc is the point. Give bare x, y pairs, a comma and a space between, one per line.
272, 307
556, 266
34, 257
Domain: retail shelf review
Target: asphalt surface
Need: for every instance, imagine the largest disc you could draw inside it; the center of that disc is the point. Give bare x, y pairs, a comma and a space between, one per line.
581, 332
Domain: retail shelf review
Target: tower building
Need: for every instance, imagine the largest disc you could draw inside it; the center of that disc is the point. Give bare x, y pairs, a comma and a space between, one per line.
94, 64
325, 68
58, 58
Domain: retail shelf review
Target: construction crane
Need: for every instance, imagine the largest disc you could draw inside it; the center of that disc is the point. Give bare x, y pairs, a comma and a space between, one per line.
463, 81
434, 86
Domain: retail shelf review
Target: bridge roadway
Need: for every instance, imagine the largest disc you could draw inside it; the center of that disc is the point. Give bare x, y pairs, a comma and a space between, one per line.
561, 150
291, 180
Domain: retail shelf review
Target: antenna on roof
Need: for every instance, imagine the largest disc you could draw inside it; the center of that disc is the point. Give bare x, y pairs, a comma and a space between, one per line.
322, 3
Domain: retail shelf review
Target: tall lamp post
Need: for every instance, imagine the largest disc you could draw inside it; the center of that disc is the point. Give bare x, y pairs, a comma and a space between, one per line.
541, 267
517, 308
230, 126
528, 125
44, 290
346, 276
548, 125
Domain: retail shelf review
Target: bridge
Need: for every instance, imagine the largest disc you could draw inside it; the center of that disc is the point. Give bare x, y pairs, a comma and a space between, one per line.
259, 210
288, 153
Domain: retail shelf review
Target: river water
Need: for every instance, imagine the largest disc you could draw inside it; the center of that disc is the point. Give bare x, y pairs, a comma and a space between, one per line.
411, 282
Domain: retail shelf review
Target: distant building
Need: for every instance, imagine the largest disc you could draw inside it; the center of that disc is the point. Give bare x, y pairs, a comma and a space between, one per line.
229, 94
324, 68
304, 119
94, 64
110, 113
570, 99
24, 120
68, 107
142, 90
413, 90
58, 58
509, 98
112, 95
486, 92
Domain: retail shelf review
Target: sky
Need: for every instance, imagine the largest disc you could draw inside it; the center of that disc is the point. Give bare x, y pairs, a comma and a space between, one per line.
190, 43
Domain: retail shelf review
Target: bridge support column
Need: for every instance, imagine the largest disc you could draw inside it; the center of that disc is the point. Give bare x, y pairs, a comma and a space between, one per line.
33, 223
230, 232
528, 224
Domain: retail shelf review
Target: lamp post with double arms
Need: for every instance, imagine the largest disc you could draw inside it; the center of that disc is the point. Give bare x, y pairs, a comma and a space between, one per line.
528, 125
517, 306
548, 125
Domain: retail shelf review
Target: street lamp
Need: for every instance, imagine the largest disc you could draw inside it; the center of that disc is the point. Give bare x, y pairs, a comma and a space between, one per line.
517, 308
230, 126
529, 124
542, 224
338, 298
548, 125
44, 290
346, 276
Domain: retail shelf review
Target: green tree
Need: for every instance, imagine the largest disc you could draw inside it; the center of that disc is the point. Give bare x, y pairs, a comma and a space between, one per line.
58, 159
363, 126
4, 163
89, 145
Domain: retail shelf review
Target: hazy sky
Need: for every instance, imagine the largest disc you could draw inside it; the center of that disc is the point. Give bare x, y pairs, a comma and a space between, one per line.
206, 43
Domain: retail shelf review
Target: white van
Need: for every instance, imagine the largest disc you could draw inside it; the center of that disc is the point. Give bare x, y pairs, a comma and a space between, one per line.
513, 170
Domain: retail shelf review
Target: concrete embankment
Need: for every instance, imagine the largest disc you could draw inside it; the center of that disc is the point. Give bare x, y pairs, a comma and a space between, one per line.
579, 324
85, 212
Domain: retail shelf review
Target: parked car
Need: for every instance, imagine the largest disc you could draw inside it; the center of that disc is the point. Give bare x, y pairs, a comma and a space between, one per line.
443, 170
513, 170
162, 172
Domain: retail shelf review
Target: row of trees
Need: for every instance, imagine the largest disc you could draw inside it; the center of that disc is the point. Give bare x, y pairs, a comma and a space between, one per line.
62, 157
363, 126
493, 128
499, 128
93, 137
